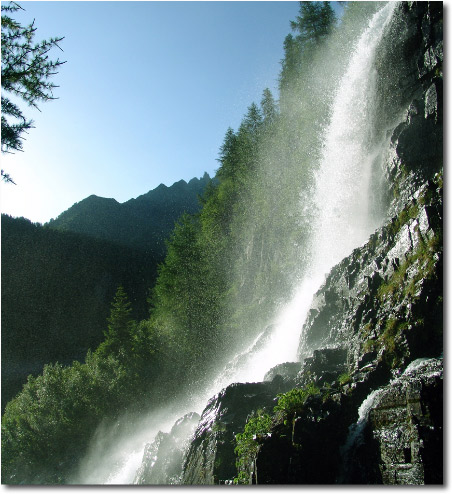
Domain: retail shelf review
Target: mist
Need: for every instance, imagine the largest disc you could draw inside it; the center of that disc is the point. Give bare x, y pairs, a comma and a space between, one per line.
322, 201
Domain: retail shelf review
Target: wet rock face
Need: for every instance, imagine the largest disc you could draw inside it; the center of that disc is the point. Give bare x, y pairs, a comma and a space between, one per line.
163, 459
325, 366
306, 451
398, 440
411, 83
409, 57
403, 436
385, 300
407, 423
303, 447
287, 371
210, 458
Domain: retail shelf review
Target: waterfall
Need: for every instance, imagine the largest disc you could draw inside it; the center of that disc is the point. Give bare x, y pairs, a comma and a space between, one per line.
351, 150
345, 217
345, 213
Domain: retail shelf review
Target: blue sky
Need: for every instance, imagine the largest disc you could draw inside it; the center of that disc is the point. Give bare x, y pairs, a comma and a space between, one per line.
146, 96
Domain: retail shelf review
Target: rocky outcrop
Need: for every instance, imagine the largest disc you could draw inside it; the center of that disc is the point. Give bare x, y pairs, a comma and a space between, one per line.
394, 436
398, 438
410, 78
210, 458
384, 302
287, 370
325, 366
407, 425
303, 445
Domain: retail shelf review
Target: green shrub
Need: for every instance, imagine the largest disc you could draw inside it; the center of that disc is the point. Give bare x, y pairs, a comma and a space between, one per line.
46, 428
247, 445
424, 257
292, 401
369, 345
389, 339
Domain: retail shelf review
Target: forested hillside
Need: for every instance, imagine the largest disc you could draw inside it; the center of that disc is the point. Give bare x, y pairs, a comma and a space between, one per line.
57, 283
56, 292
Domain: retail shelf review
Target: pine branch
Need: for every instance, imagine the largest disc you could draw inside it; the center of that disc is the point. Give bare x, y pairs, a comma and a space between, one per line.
26, 70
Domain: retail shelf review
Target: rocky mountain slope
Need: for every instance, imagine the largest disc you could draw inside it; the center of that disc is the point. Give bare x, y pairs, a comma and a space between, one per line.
364, 403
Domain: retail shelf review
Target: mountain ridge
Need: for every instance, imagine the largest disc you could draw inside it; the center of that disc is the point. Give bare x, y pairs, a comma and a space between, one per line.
143, 222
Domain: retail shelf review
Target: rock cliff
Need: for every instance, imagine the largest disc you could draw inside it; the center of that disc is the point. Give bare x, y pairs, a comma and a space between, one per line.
400, 430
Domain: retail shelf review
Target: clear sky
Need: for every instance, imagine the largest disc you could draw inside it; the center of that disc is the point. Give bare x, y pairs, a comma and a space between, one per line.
146, 96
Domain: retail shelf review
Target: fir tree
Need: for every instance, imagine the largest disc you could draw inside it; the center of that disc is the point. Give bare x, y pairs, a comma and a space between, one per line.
269, 107
26, 70
252, 121
120, 325
227, 154
314, 23
289, 64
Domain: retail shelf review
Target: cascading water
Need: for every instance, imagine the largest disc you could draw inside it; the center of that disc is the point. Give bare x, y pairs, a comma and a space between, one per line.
344, 220
345, 214
355, 433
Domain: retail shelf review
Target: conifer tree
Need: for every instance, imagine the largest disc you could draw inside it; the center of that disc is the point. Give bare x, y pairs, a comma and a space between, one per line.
252, 121
227, 154
289, 63
313, 24
269, 108
120, 324
247, 139
26, 70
